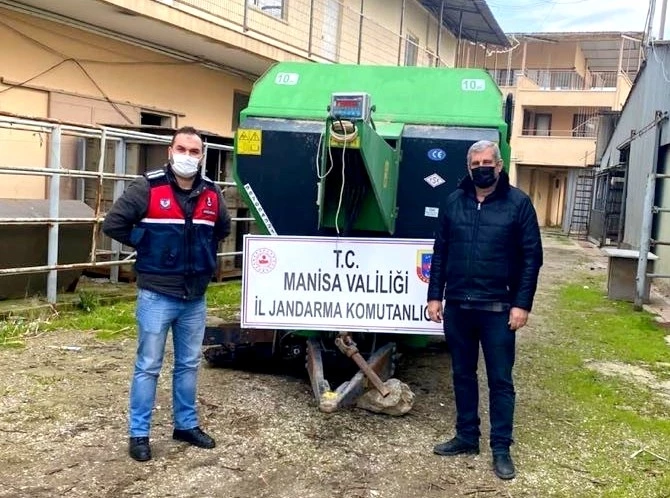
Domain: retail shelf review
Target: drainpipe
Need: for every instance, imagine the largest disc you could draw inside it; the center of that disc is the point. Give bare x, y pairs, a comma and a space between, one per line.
661, 31
311, 27
439, 34
360, 33
402, 25
459, 59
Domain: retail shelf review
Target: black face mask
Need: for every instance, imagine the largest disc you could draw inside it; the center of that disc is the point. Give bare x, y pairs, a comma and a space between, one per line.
484, 176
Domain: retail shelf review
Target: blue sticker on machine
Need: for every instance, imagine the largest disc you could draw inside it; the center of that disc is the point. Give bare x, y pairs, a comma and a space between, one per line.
436, 154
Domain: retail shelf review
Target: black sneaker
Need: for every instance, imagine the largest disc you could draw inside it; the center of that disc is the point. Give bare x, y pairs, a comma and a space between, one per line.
456, 446
139, 449
503, 466
194, 436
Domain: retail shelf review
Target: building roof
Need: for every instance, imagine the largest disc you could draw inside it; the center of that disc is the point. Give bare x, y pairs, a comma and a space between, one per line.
471, 18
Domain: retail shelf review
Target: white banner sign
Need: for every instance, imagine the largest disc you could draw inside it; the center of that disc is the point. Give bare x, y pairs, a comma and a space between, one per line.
338, 284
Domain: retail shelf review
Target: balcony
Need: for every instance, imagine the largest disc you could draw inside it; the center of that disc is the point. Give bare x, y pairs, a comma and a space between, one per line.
553, 150
246, 36
564, 88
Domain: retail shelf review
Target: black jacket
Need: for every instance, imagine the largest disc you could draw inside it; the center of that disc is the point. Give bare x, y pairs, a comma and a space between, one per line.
132, 206
489, 251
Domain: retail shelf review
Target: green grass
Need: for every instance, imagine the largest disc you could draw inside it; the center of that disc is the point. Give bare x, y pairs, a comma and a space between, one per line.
107, 321
15, 328
224, 295
584, 426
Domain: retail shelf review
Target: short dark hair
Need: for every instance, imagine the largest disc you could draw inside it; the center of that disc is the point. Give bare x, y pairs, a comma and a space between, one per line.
186, 130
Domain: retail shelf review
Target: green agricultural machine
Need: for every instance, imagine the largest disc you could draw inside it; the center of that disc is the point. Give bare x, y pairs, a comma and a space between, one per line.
344, 169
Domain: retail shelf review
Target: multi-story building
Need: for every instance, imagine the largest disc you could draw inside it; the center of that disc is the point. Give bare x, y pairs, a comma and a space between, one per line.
156, 65
168, 63
561, 83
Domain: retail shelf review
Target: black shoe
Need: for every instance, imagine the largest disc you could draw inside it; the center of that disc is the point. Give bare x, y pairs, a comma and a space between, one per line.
194, 436
139, 449
503, 466
456, 447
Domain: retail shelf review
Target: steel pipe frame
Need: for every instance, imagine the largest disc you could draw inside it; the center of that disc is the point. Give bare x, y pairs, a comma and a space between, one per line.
73, 266
7, 121
55, 171
70, 221
73, 173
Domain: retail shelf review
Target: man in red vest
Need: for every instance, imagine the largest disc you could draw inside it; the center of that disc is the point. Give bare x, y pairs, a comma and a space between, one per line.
174, 218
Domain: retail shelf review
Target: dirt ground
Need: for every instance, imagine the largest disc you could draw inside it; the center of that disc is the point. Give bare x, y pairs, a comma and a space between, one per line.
63, 427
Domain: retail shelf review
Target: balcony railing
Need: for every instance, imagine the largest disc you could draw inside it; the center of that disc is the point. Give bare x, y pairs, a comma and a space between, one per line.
505, 77
585, 130
570, 80
329, 30
557, 80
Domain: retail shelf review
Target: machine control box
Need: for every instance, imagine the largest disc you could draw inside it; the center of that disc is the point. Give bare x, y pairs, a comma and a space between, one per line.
354, 106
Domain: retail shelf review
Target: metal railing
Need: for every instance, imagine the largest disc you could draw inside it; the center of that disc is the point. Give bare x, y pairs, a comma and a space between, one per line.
579, 132
571, 80
55, 171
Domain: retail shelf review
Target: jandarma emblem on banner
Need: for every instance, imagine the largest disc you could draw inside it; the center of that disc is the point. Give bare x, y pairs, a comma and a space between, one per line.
423, 259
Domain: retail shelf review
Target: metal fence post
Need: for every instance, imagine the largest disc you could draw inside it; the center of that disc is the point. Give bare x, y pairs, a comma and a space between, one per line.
119, 187
54, 202
645, 240
98, 195
647, 219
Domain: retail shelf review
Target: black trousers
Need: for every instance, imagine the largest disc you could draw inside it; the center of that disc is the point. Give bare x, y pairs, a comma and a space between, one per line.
464, 330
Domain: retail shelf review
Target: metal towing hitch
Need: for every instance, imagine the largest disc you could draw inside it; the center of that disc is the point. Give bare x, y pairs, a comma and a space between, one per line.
389, 396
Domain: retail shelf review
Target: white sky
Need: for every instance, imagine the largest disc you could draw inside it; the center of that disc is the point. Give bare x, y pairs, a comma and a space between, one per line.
574, 15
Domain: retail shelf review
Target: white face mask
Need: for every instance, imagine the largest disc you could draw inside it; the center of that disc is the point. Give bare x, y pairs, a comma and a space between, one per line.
184, 165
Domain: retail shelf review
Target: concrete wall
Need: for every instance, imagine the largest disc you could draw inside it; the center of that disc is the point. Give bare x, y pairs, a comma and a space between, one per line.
136, 80
23, 148
381, 35
334, 30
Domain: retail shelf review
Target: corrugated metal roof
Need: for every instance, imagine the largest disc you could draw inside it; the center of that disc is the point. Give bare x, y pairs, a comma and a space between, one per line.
471, 18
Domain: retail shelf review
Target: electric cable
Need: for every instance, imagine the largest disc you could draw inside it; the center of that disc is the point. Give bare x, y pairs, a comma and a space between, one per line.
344, 136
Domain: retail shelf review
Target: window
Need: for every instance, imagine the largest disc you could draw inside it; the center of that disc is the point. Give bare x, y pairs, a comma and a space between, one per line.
536, 123
240, 102
275, 8
583, 125
411, 50
153, 119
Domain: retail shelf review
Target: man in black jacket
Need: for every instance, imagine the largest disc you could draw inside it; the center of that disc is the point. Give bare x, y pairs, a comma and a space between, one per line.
174, 218
486, 259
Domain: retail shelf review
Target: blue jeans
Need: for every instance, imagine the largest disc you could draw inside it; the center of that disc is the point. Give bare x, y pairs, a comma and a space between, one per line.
155, 314
464, 329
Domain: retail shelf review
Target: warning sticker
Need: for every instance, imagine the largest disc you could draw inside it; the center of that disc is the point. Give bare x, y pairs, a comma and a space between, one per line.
434, 180
249, 142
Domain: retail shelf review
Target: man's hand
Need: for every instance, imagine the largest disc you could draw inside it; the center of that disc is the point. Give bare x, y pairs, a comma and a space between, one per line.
435, 311
517, 318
